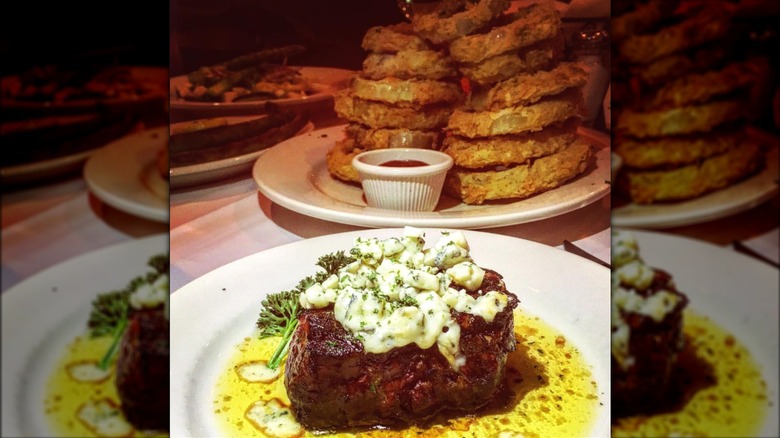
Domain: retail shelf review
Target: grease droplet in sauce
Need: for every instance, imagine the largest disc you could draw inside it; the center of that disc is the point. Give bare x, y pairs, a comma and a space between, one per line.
404, 163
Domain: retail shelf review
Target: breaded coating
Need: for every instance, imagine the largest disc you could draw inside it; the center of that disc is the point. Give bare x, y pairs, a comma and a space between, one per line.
529, 88
707, 24
675, 150
679, 121
641, 19
519, 119
673, 66
452, 19
646, 187
411, 91
409, 64
526, 60
702, 87
339, 159
521, 181
382, 115
504, 150
392, 39
388, 138
528, 26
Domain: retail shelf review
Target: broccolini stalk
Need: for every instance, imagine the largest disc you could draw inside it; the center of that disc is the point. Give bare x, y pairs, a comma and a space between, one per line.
279, 316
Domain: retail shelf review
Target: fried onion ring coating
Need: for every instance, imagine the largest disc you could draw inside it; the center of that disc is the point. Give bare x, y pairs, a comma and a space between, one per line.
409, 64
411, 91
528, 26
521, 181
680, 120
719, 171
448, 21
675, 65
519, 119
339, 159
525, 89
676, 150
710, 23
392, 39
699, 88
642, 19
370, 139
383, 115
504, 150
528, 59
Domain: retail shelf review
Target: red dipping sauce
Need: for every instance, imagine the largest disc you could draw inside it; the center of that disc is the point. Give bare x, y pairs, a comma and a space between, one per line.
404, 163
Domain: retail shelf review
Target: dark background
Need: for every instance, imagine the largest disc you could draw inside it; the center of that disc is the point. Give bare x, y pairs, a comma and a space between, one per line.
37, 33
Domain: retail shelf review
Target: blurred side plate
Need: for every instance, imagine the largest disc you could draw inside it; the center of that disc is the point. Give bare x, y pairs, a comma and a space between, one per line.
216, 170
326, 80
117, 174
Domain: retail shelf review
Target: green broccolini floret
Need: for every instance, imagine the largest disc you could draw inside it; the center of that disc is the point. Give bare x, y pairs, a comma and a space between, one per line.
279, 315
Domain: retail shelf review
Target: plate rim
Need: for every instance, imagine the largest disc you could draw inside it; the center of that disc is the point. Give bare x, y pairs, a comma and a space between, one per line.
38, 287
386, 218
674, 215
196, 292
95, 184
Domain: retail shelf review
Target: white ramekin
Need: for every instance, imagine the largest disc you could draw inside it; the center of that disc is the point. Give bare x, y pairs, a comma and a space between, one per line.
402, 188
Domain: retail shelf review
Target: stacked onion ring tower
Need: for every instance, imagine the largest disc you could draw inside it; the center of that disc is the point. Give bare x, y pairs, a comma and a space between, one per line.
484, 85
682, 133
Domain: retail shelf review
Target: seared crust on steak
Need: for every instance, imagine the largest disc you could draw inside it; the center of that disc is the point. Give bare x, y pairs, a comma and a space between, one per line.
333, 384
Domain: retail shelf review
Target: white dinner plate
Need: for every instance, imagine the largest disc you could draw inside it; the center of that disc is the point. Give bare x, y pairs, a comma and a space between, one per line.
324, 79
44, 313
213, 313
719, 204
46, 168
737, 292
116, 174
294, 174
210, 171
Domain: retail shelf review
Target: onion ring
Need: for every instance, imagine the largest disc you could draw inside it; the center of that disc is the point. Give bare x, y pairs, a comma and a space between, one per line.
370, 139
712, 23
670, 67
675, 150
382, 115
504, 150
526, 89
447, 22
702, 87
517, 120
339, 159
680, 120
642, 19
392, 39
409, 64
521, 181
528, 59
410, 91
719, 171
528, 26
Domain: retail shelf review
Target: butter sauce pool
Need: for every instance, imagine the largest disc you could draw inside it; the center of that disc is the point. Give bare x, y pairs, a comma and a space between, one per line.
549, 391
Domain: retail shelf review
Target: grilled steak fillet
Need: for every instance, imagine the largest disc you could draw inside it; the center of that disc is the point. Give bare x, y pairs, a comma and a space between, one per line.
142, 375
655, 346
333, 384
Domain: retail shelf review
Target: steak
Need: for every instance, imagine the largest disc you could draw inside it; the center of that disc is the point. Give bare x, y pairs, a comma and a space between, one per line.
143, 371
643, 387
333, 384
